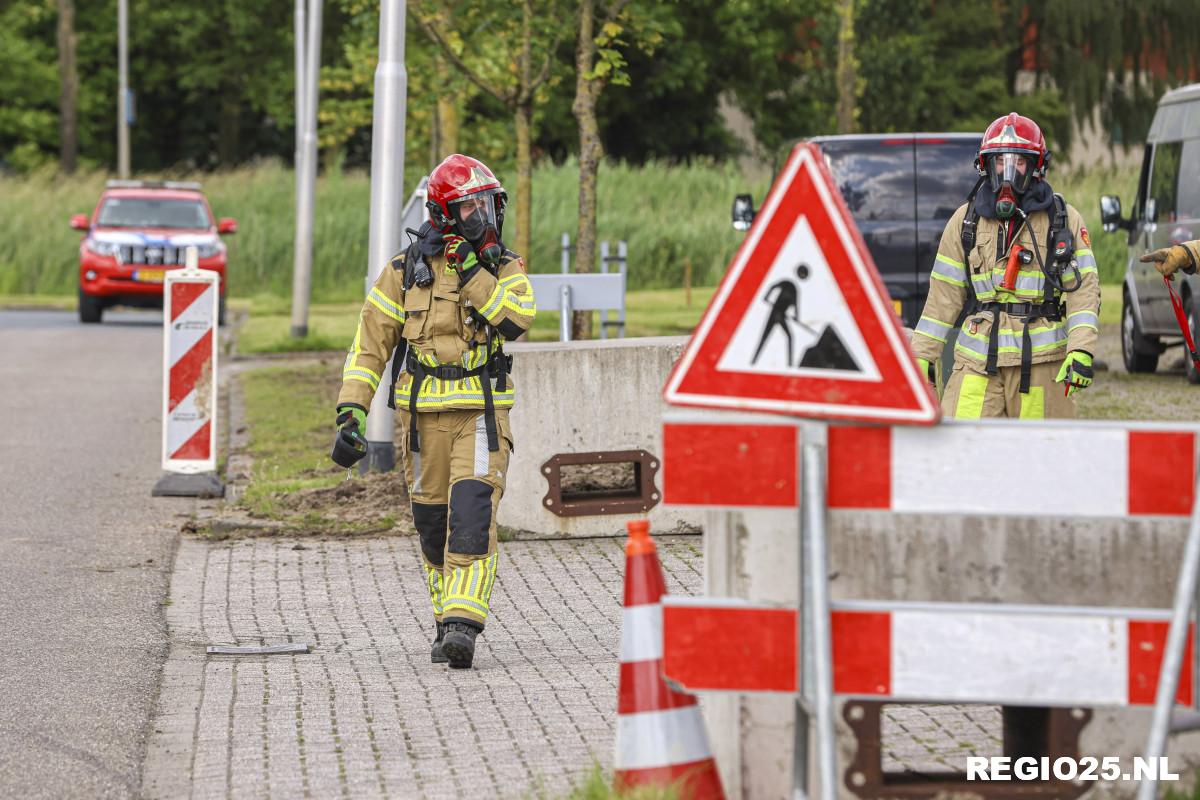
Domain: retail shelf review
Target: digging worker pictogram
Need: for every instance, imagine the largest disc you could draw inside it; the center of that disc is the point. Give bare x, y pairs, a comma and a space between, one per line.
1016, 260
446, 306
783, 296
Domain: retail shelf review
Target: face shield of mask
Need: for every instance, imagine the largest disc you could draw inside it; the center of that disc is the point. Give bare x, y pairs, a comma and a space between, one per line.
474, 215
1013, 169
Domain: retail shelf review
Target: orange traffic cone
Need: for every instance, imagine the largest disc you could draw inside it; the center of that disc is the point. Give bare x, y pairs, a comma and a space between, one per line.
661, 739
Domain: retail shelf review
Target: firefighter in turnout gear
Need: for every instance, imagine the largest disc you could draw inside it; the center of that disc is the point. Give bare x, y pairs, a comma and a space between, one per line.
1016, 263
445, 306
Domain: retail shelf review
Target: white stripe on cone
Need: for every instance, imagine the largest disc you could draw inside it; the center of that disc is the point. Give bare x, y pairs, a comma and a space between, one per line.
641, 633
1089, 479
192, 325
1039, 658
661, 738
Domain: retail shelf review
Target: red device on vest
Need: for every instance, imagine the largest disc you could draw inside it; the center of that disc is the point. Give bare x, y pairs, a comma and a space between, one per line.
1017, 256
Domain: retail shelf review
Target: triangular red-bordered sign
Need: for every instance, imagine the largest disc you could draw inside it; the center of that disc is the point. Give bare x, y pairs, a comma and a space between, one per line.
802, 323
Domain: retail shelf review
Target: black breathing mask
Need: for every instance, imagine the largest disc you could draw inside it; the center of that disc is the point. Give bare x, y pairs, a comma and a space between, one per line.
477, 221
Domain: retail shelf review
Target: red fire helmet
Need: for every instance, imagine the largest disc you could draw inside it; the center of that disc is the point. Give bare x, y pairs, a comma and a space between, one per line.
1014, 134
456, 178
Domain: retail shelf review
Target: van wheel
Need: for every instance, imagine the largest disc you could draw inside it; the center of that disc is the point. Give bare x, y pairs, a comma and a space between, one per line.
1189, 307
1139, 352
91, 309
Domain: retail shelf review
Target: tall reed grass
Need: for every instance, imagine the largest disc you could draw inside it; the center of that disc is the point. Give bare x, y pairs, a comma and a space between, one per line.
669, 215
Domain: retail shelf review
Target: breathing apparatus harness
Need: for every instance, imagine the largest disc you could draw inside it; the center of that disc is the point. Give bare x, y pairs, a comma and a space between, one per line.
1060, 245
498, 365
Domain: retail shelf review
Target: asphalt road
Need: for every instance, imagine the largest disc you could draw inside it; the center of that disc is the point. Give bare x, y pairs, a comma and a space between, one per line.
85, 552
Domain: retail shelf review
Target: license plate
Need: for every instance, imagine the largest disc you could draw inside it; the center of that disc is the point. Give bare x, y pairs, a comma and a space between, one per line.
149, 275
896, 303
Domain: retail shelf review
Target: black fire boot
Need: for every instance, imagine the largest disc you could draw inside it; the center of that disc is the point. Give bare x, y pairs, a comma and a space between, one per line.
435, 653
458, 643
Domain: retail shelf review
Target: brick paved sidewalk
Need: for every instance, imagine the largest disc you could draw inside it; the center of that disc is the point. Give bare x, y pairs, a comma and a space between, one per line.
366, 714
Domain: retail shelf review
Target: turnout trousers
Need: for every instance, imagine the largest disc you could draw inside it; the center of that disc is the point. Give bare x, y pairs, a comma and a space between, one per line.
455, 484
973, 394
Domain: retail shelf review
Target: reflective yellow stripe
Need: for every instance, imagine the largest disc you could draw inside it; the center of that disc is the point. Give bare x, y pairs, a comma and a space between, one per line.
1033, 405
385, 304
970, 396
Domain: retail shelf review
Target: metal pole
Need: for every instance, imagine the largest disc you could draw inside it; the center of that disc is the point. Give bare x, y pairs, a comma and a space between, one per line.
123, 88
812, 508
387, 199
604, 271
566, 254
622, 254
564, 310
804, 699
307, 178
300, 26
1172, 661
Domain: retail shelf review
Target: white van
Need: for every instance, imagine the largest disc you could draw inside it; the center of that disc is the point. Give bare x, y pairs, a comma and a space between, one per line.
1166, 212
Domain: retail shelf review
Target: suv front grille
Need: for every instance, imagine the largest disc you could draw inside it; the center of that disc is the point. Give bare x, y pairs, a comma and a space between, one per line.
152, 254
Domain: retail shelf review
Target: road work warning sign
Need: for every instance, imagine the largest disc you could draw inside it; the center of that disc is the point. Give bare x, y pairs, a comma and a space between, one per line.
802, 323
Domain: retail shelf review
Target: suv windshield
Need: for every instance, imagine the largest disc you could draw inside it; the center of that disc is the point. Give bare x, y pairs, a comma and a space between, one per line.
143, 212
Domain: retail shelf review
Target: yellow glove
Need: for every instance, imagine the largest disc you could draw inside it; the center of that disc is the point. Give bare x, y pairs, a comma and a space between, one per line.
1076, 371
1169, 260
926, 368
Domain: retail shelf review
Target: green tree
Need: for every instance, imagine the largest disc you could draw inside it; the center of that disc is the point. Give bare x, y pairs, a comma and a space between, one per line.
28, 84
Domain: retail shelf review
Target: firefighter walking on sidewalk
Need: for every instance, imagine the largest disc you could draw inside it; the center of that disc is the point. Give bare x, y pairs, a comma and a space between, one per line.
445, 307
1016, 262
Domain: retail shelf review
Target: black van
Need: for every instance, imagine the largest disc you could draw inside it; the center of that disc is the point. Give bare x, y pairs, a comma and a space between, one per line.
901, 188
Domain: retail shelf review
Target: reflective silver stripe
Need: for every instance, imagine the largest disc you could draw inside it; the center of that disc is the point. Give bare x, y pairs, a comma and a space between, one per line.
1085, 260
982, 283
494, 302
416, 469
385, 304
1083, 319
1010, 341
467, 603
949, 270
361, 375
481, 447
927, 326
1032, 283
491, 577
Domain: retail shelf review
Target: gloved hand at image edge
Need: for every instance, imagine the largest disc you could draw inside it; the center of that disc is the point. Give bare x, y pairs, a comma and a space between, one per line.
1076, 371
1169, 260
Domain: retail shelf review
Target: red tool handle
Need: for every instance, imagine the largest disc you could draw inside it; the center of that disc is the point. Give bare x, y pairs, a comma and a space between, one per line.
1181, 318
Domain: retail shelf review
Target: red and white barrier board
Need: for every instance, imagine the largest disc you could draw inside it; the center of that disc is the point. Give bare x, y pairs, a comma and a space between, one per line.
933, 652
190, 299
991, 467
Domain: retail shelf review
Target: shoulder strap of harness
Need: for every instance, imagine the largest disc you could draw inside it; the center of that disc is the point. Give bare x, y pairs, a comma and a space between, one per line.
967, 235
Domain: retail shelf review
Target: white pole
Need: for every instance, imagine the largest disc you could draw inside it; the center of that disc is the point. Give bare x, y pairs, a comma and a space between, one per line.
1172, 660
301, 27
307, 179
123, 88
387, 200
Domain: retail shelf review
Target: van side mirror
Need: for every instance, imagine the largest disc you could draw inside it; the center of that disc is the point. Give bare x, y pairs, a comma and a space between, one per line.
227, 225
1110, 214
743, 212
79, 222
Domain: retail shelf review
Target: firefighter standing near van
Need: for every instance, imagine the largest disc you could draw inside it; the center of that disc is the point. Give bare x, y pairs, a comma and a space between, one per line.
450, 301
1016, 261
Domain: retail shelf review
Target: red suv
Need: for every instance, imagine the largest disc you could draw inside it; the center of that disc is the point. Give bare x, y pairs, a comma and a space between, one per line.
138, 231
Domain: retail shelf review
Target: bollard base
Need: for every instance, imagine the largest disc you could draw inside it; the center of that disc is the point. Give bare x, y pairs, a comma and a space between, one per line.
198, 484
381, 457
299, 331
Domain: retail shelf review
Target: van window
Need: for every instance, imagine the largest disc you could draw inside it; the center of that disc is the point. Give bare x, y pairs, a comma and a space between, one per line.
876, 179
1164, 179
945, 175
1188, 202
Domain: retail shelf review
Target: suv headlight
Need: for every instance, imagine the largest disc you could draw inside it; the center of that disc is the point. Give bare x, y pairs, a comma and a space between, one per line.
209, 250
108, 249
